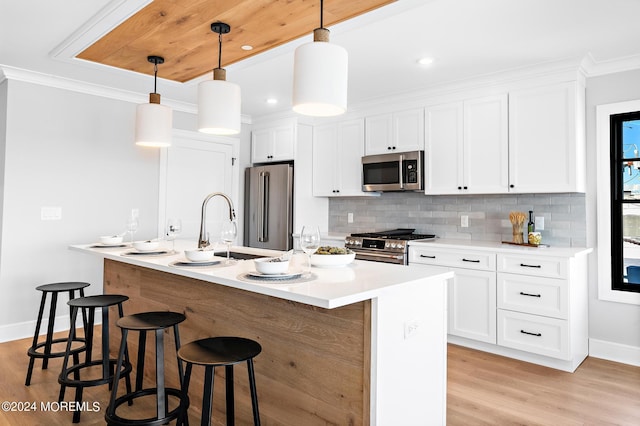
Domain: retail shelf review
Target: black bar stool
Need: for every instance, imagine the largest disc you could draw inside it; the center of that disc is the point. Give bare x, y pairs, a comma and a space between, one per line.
221, 351
143, 322
46, 354
91, 303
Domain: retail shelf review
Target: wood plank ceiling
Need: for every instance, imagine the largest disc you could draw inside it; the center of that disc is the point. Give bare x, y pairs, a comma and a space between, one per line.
180, 31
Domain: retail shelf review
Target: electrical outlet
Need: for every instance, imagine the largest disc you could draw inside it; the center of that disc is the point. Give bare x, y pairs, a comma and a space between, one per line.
464, 221
539, 223
411, 328
349, 217
50, 213
135, 213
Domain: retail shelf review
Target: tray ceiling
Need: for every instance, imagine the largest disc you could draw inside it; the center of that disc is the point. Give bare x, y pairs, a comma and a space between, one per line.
180, 31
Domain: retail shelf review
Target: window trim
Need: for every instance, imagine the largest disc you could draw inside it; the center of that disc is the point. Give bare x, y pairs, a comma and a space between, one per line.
603, 187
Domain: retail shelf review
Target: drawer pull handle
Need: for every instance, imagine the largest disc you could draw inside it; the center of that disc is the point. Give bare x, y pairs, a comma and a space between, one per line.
531, 334
524, 265
529, 294
470, 260
428, 257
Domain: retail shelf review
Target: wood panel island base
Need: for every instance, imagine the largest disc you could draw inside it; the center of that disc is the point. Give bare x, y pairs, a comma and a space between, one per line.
362, 345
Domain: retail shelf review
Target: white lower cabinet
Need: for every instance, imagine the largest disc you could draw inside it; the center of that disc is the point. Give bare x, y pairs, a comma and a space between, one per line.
515, 303
472, 301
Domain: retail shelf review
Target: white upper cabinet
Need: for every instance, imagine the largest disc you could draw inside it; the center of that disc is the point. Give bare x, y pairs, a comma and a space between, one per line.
466, 148
273, 144
546, 139
337, 152
395, 132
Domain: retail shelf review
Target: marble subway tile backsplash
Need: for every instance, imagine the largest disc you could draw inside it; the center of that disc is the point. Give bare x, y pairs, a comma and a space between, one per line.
564, 215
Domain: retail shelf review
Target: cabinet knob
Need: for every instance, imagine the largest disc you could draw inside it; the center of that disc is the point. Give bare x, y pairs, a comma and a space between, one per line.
459, 187
511, 186
389, 147
465, 187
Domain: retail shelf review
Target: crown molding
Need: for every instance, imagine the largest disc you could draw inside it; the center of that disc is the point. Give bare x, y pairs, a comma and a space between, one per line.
595, 68
49, 80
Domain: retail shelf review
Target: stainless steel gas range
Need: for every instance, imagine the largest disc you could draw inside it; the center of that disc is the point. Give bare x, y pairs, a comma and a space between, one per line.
386, 246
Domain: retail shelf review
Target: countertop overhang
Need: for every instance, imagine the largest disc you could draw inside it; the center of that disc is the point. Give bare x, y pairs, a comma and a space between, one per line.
334, 287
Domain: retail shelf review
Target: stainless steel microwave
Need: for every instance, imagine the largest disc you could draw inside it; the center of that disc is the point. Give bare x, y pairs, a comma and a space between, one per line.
401, 171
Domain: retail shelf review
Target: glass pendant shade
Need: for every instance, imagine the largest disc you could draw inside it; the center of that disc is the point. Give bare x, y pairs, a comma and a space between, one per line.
219, 107
154, 123
320, 79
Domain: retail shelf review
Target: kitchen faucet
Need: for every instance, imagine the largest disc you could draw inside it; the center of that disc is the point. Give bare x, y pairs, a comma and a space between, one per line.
203, 240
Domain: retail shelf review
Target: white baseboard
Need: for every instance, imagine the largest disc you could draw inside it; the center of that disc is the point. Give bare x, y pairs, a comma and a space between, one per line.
617, 352
25, 329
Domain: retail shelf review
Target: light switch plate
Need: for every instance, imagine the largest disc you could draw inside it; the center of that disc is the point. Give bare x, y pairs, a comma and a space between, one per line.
464, 221
539, 223
349, 217
50, 213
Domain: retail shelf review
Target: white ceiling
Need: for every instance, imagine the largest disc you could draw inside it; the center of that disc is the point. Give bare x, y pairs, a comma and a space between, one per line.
466, 38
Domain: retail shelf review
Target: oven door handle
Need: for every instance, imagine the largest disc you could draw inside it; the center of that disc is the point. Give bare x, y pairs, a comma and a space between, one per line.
379, 255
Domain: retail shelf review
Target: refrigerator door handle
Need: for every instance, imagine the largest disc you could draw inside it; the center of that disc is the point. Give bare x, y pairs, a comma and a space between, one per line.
263, 208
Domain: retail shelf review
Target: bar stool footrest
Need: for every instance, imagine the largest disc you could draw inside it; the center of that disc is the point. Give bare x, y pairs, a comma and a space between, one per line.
33, 350
114, 420
63, 379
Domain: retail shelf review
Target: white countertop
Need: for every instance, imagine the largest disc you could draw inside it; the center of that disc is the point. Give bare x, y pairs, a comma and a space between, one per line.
497, 247
334, 287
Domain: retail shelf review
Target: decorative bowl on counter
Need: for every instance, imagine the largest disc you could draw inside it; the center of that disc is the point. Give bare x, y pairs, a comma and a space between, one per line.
147, 245
199, 255
332, 257
111, 240
271, 265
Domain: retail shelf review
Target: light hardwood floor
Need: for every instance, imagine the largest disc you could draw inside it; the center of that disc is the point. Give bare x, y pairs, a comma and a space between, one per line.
483, 389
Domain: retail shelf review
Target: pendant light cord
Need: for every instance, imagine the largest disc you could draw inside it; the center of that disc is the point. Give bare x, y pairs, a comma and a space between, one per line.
155, 76
220, 50
321, 13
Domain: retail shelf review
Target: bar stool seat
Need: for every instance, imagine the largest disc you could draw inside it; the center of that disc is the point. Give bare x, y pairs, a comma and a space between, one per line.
90, 304
221, 351
43, 349
144, 322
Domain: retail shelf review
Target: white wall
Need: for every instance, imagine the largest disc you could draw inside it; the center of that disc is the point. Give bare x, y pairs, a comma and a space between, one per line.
74, 151
612, 322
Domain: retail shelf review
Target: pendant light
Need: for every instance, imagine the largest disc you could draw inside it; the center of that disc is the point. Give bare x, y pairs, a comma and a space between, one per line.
219, 100
154, 121
320, 76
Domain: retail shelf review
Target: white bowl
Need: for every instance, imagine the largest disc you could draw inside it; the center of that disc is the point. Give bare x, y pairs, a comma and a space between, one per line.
271, 265
199, 255
145, 245
111, 239
332, 259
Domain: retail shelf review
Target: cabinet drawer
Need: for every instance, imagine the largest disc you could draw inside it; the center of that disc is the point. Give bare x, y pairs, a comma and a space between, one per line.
533, 295
540, 266
532, 333
480, 260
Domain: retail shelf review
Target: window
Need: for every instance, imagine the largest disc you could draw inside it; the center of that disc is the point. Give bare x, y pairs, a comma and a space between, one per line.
614, 201
625, 201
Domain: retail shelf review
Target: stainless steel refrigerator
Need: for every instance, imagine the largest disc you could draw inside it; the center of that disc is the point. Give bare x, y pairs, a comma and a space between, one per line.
268, 204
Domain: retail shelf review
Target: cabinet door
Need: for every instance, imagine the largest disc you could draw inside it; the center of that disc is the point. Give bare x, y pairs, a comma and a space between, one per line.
472, 305
283, 143
349, 159
486, 145
408, 130
379, 134
261, 145
325, 156
443, 150
542, 139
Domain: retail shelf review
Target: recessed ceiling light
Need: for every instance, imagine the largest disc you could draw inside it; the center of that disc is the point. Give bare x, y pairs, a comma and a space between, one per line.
425, 61
272, 101
246, 47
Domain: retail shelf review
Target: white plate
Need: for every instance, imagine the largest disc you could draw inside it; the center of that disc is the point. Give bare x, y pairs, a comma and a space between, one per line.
283, 276
332, 260
102, 245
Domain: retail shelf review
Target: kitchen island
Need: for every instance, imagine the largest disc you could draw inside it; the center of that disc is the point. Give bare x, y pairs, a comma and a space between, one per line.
358, 345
